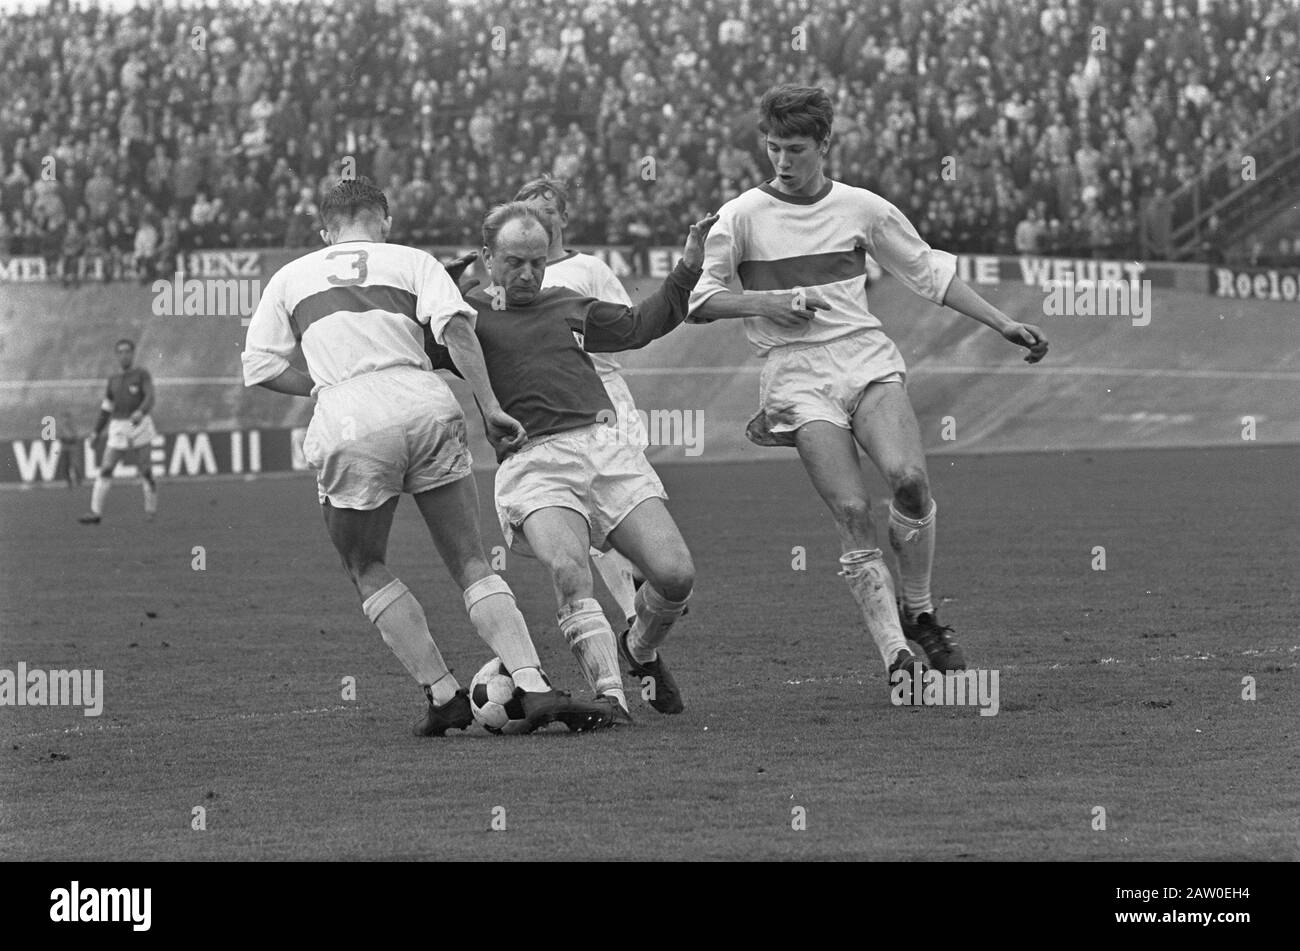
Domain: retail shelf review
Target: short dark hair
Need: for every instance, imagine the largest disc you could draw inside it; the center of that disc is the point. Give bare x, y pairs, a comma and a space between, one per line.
351, 198
789, 110
545, 187
501, 215
129, 343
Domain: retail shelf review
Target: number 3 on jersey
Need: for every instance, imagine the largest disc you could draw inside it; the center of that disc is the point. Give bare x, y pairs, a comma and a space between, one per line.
358, 266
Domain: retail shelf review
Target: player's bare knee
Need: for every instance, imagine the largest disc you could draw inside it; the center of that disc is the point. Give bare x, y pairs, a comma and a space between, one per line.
912, 492
852, 512
674, 581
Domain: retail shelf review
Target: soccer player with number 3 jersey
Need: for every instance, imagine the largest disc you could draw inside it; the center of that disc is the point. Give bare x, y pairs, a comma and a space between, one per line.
384, 424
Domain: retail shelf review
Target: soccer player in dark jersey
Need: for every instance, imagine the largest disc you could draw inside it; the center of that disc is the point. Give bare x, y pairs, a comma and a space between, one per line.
576, 484
125, 411
589, 276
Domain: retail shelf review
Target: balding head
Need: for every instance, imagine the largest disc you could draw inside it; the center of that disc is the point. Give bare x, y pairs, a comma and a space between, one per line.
515, 247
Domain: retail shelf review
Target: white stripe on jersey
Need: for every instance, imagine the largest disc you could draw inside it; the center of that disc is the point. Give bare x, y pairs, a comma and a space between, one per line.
589, 276
355, 307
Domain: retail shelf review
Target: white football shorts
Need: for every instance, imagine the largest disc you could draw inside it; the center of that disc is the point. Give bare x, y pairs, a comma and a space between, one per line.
589, 470
380, 434
124, 435
802, 383
629, 420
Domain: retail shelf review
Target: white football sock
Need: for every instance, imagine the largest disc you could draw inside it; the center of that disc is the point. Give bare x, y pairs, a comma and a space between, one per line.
401, 621
913, 542
655, 617
496, 618
873, 589
99, 492
616, 571
150, 496
592, 641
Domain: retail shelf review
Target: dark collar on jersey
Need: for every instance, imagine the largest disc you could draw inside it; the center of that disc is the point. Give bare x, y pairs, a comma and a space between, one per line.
797, 199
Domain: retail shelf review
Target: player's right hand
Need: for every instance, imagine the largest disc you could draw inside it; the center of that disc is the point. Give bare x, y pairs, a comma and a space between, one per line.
693, 253
506, 433
794, 312
456, 269
1029, 336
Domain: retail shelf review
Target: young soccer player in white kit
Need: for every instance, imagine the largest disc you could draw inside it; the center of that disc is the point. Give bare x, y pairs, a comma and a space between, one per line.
832, 381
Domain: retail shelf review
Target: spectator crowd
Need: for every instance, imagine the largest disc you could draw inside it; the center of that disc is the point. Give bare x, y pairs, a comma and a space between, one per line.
1001, 126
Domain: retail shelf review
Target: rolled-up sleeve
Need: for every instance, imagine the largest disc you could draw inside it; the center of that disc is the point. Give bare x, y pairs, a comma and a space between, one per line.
271, 339
439, 299
902, 252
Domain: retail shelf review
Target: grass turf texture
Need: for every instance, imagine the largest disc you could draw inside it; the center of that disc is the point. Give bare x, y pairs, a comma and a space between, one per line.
1119, 688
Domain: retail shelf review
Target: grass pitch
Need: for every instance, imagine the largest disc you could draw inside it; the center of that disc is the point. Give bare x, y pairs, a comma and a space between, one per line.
1120, 688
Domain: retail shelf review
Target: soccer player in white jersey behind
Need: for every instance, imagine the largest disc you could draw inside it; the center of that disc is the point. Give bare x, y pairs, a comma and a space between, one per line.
589, 276
832, 381
383, 425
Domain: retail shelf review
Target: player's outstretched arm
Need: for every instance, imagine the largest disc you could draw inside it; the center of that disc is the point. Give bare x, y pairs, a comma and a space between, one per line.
963, 299
504, 431
788, 311
291, 381
610, 328
714, 300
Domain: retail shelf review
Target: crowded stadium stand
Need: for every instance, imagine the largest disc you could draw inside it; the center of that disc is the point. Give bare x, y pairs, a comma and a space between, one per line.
1071, 127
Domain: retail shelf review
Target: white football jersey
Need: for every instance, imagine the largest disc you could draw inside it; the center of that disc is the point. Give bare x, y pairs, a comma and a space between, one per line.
589, 276
768, 242
355, 307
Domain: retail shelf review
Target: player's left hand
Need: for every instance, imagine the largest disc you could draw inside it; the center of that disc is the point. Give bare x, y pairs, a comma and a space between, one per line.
1029, 336
506, 433
693, 253
456, 269
136, 417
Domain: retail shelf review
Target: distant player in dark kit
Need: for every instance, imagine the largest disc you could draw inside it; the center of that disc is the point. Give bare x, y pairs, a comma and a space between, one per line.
832, 382
578, 483
125, 411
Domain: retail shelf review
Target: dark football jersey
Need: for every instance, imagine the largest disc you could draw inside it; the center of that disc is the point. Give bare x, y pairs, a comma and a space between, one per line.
536, 354
126, 391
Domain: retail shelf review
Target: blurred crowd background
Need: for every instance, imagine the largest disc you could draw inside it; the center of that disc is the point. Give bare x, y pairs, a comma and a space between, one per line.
1000, 126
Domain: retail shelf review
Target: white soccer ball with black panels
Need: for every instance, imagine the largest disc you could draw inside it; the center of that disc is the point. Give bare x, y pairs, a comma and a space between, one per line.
496, 702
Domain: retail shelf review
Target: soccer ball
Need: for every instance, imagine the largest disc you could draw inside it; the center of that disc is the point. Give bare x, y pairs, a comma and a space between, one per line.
495, 700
